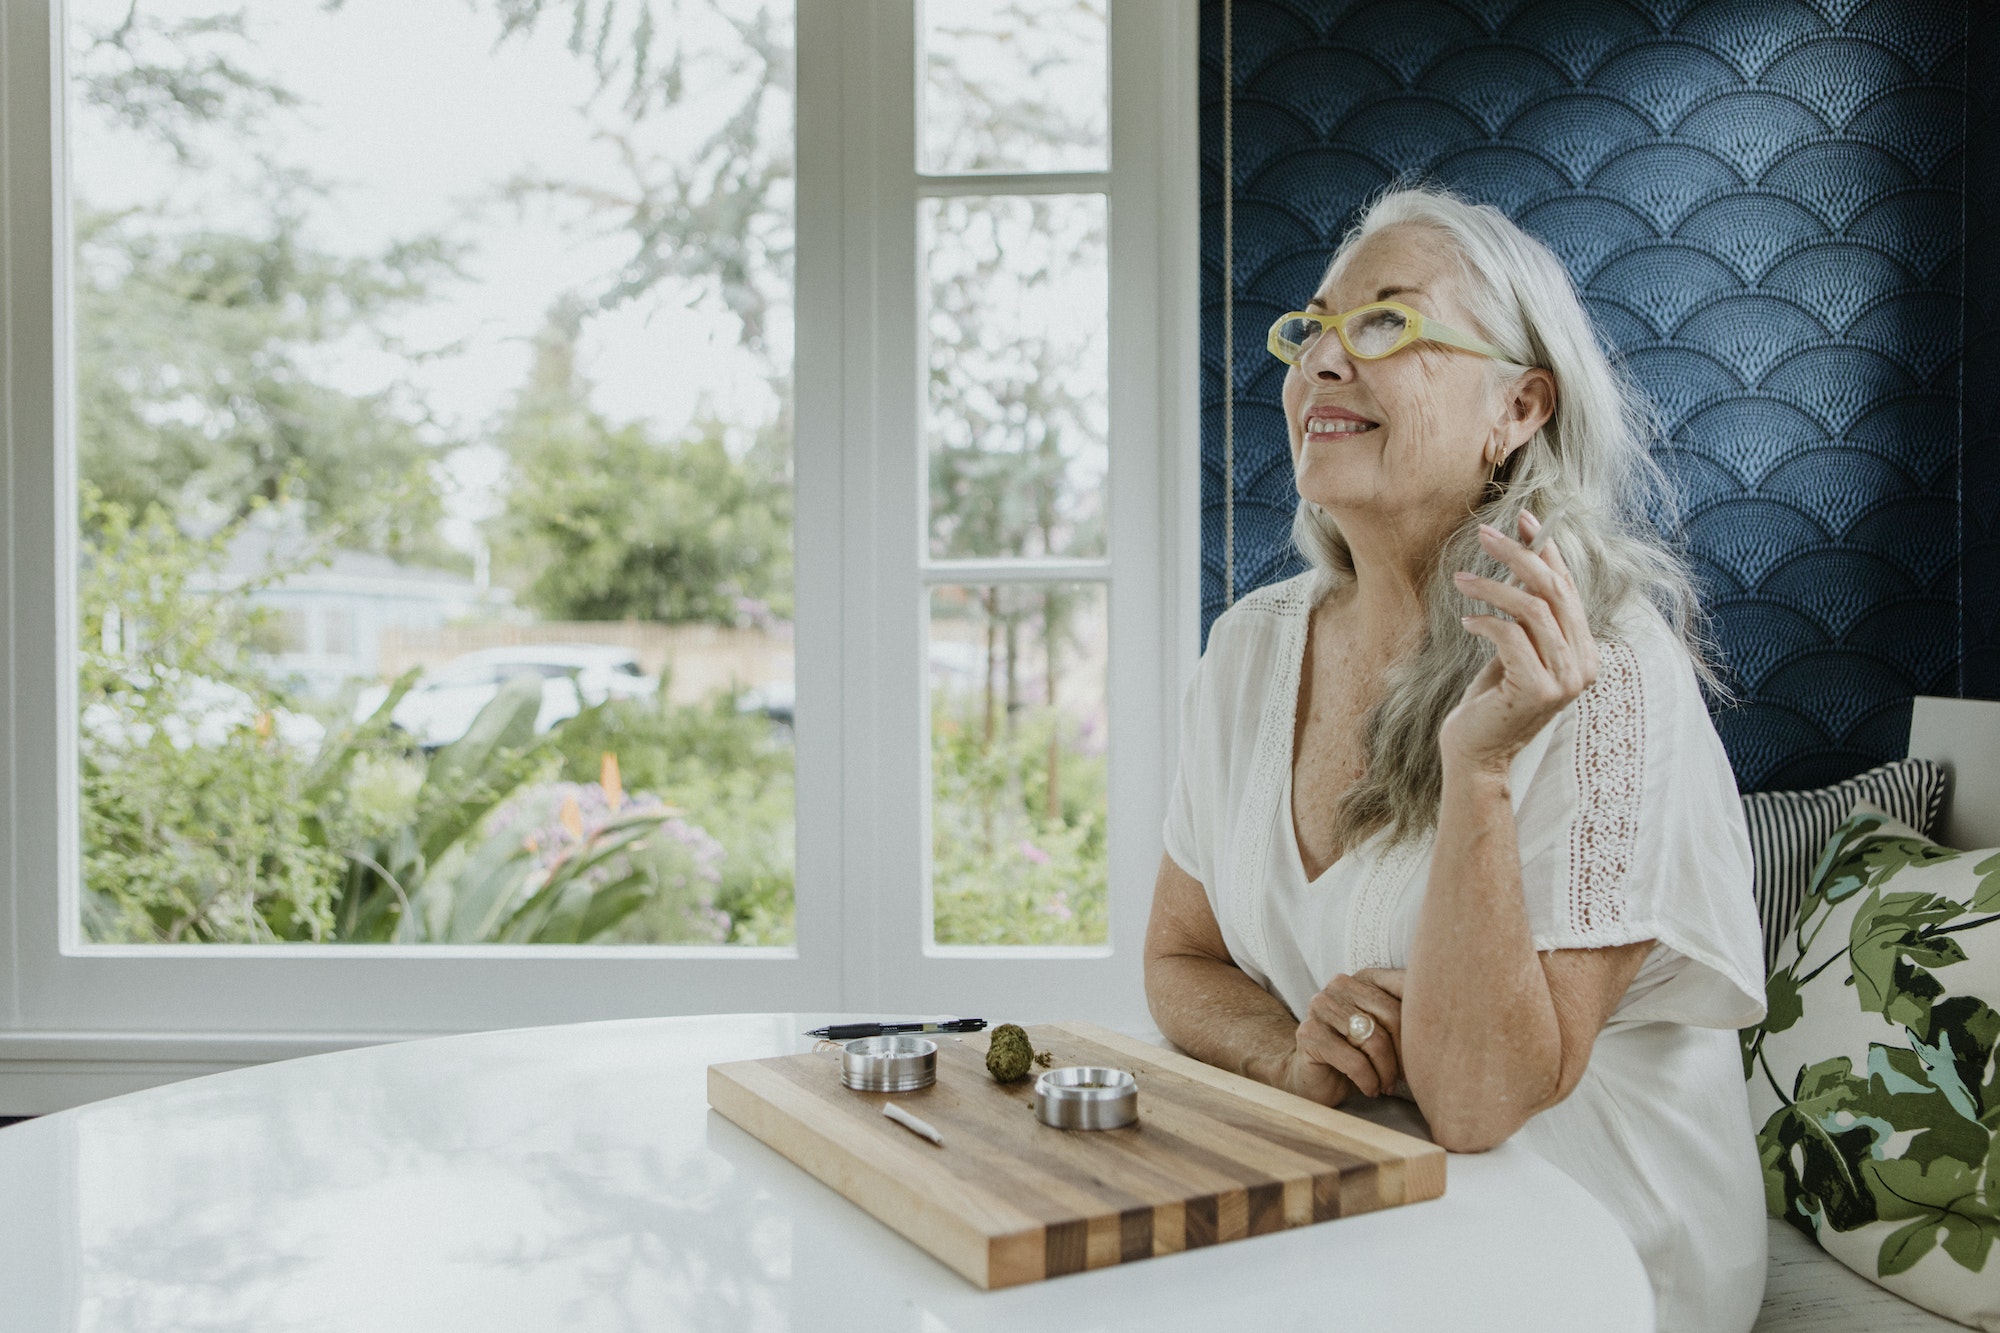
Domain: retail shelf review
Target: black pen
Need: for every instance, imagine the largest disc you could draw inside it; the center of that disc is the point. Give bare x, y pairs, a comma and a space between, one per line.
849, 1031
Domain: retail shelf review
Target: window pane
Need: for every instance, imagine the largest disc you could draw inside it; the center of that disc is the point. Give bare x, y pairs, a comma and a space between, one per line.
418, 604
1017, 86
1018, 399
1018, 745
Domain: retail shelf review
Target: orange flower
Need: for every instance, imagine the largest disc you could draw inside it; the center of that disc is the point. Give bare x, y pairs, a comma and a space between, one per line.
607, 778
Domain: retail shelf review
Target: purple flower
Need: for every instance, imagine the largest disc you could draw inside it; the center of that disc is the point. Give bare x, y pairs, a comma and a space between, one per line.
558, 820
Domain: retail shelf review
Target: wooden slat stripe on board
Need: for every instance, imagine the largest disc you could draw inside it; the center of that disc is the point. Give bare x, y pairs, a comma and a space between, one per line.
890, 1180
1135, 1234
1417, 1166
1064, 1249
1267, 1208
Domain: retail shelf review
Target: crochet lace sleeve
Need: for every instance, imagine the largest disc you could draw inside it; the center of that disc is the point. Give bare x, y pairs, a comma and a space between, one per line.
1631, 830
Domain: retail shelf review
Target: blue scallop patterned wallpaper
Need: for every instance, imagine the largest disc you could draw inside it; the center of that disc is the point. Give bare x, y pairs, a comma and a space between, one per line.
1980, 476
1763, 204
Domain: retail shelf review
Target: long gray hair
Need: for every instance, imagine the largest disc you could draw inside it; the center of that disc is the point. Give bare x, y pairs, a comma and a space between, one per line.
1588, 474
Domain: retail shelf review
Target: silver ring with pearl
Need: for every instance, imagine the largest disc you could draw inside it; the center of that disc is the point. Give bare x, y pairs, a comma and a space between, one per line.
1360, 1027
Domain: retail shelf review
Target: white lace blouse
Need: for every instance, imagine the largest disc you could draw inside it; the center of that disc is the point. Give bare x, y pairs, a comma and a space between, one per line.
1630, 829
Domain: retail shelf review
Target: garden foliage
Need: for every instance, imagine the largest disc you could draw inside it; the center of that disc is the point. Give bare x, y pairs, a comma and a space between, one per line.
215, 812
1005, 867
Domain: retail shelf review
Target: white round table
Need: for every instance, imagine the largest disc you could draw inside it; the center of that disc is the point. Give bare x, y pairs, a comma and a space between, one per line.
573, 1178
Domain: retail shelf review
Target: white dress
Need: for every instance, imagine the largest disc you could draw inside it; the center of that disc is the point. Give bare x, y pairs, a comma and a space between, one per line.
1630, 829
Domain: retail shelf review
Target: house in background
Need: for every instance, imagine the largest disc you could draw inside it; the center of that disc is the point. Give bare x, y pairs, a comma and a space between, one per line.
332, 611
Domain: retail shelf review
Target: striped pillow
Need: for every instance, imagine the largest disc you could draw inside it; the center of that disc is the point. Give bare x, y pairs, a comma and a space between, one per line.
1789, 829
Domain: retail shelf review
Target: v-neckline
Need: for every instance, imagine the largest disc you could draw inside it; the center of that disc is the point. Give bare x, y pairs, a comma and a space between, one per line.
1287, 813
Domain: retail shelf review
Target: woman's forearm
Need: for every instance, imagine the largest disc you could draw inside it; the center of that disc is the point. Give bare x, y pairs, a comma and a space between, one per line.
1481, 1046
1215, 1013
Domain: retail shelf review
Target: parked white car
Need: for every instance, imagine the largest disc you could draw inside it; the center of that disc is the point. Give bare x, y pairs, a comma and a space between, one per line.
440, 707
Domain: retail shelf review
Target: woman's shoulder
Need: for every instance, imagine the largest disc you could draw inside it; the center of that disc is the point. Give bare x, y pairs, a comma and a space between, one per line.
1249, 647
1644, 653
1258, 619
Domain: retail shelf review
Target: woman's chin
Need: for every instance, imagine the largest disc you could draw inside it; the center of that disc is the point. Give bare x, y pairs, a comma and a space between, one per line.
1340, 484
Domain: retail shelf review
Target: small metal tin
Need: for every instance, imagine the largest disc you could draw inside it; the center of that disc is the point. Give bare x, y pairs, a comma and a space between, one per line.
1063, 1100
889, 1064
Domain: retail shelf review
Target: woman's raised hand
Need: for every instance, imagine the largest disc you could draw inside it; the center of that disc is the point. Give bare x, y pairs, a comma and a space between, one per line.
1327, 1061
1543, 658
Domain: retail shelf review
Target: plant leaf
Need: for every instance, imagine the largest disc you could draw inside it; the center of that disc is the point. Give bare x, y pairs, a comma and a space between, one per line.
459, 787
1969, 1239
1905, 1245
1781, 1001
1986, 898
1886, 930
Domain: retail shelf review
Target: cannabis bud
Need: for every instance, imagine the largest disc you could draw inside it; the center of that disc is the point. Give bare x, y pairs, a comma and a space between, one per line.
1010, 1054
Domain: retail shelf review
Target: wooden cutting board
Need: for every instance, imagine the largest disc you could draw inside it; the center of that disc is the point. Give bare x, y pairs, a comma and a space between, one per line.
1006, 1199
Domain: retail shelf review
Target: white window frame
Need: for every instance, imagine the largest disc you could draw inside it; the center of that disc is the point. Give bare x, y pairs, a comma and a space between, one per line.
79, 1021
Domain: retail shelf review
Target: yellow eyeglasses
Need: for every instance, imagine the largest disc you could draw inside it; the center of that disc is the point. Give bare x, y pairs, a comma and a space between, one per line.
1370, 332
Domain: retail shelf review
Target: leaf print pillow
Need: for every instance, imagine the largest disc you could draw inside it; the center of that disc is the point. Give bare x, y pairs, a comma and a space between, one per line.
1873, 1074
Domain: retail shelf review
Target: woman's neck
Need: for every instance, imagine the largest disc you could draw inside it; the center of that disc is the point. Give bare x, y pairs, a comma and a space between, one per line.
1391, 567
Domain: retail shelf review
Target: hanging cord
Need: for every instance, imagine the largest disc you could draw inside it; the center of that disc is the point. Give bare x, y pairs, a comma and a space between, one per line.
1228, 305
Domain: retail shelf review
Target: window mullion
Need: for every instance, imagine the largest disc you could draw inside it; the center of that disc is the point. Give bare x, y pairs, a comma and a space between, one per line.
882, 496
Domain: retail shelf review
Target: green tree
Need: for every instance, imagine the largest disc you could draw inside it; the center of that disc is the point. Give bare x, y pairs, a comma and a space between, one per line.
193, 388
196, 379
605, 522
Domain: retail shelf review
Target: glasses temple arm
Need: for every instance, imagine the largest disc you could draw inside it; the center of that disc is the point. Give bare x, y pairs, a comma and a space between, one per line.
1445, 334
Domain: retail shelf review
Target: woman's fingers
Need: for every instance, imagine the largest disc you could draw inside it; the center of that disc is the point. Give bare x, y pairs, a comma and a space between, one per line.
1546, 604
1569, 609
1333, 1009
1320, 1043
1388, 979
1567, 603
1530, 612
1518, 659
1537, 574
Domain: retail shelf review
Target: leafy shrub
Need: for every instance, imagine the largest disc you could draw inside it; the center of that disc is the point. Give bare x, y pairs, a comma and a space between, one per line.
197, 825
730, 772
1005, 868
214, 814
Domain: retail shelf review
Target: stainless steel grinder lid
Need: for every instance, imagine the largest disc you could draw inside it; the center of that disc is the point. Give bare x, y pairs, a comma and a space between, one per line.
889, 1064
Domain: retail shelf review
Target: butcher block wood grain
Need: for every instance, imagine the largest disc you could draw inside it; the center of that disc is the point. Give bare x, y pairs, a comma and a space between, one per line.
1007, 1200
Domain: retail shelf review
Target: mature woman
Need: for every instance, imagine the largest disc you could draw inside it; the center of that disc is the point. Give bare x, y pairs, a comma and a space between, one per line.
1451, 818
